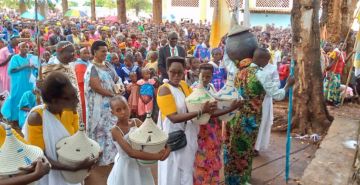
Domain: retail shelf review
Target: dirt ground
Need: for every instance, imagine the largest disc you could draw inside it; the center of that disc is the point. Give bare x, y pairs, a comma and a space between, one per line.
268, 168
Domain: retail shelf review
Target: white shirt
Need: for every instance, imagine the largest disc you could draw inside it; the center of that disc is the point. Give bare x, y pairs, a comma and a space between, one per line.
271, 86
176, 53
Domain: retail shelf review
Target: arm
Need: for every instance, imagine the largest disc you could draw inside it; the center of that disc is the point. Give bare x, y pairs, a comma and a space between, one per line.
235, 105
6, 61
162, 63
25, 109
17, 69
136, 154
40, 168
95, 84
171, 113
271, 88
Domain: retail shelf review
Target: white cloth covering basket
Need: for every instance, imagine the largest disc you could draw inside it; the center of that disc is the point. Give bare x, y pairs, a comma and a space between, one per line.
148, 138
75, 149
15, 154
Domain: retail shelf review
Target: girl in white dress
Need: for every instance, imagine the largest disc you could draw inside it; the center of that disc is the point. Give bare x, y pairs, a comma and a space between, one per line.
126, 170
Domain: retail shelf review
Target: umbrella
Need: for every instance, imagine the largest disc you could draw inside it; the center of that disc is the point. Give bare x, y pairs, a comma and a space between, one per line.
75, 13
31, 15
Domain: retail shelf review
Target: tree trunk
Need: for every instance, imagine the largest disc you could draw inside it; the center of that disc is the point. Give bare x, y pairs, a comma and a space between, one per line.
65, 6
157, 11
93, 12
121, 9
310, 112
22, 6
137, 10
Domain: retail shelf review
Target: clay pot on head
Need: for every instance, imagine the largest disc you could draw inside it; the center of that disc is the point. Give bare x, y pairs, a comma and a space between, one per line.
240, 43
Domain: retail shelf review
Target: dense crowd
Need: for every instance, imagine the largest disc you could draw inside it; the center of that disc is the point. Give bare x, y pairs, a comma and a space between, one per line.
110, 75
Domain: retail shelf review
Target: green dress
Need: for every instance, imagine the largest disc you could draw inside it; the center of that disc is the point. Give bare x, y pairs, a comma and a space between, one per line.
241, 131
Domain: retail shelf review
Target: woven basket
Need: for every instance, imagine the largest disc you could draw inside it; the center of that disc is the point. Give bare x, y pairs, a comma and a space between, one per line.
148, 138
226, 97
75, 149
196, 100
15, 154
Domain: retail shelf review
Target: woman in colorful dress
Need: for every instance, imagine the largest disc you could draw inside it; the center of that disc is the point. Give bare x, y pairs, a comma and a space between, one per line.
208, 157
178, 168
100, 80
332, 80
19, 71
241, 132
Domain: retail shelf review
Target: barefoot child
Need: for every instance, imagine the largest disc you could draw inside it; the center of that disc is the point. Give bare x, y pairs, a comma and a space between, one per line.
132, 89
126, 170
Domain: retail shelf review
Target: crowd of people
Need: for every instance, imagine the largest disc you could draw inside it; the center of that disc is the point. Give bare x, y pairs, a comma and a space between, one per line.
110, 77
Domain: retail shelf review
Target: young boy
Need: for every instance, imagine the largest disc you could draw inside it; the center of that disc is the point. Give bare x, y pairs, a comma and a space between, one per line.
129, 67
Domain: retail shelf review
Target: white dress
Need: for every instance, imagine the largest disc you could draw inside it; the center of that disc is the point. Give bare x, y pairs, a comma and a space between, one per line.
178, 168
126, 170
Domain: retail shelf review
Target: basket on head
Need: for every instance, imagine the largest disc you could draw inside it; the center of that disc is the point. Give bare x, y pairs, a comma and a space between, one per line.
226, 96
15, 154
148, 138
75, 149
196, 100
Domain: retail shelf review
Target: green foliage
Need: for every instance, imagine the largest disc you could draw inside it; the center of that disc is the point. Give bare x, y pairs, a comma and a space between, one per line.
13, 4
73, 4
102, 3
139, 5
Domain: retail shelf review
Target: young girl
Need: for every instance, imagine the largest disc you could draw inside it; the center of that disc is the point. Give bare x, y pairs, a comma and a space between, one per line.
193, 74
126, 170
132, 89
146, 93
207, 160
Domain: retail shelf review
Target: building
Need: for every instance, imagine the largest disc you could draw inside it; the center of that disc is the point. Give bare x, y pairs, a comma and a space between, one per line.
262, 11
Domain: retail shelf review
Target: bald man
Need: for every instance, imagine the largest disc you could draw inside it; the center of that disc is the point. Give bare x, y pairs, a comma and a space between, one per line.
169, 50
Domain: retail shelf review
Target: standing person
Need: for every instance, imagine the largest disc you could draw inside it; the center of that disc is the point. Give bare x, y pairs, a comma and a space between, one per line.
178, 168
19, 72
28, 101
219, 72
146, 94
332, 80
275, 52
202, 50
80, 69
5, 55
128, 68
9, 31
208, 156
242, 130
56, 37
65, 54
100, 80
49, 123
126, 169
167, 51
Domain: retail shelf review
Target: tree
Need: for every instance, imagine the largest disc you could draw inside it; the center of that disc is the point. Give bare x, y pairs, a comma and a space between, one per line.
43, 7
93, 11
337, 14
121, 10
157, 11
310, 112
138, 5
22, 6
73, 4
65, 6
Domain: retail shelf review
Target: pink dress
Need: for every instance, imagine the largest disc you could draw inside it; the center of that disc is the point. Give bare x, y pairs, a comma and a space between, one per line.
133, 98
146, 98
4, 77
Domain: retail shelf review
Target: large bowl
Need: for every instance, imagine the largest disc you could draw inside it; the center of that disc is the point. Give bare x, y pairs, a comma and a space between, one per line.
240, 43
148, 148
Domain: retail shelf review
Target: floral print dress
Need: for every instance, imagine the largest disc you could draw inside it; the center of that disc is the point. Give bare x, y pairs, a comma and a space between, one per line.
208, 157
241, 131
98, 113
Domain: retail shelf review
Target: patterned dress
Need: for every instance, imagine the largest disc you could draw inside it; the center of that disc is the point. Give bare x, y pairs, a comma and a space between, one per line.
243, 128
98, 113
207, 160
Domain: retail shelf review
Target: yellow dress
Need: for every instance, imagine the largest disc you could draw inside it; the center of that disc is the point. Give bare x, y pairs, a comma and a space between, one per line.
69, 119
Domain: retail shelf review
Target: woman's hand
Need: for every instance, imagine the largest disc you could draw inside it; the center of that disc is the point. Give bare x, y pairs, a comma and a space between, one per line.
40, 167
166, 154
209, 107
236, 104
87, 163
